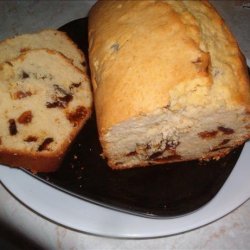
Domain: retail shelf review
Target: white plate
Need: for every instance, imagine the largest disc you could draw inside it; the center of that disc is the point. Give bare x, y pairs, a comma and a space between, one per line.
84, 216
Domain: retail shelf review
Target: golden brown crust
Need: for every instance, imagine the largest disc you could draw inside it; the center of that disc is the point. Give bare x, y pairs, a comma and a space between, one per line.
34, 162
241, 91
142, 91
137, 58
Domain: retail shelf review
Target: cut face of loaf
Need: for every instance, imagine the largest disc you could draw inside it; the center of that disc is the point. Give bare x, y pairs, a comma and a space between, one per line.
170, 136
46, 39
170, 82
44, 101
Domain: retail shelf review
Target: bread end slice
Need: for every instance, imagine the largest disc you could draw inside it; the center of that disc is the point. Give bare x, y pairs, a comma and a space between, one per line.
45, 101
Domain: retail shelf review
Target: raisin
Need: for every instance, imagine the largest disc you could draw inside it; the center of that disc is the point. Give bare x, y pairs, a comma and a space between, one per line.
208, 134
45, 143
25, 75
59, 89
170, 146
66, 99
30, 138
76, 116
21, 94
225, 141
25, 117
60, 101
12, 127
23, 50
9, 63
133, 153
226, 131
155, 155
75, 85
56, 104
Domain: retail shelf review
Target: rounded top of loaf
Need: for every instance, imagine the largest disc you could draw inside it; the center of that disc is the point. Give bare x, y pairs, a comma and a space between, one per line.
146, 55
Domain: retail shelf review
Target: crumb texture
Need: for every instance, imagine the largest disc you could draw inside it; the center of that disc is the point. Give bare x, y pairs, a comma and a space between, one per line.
42, 108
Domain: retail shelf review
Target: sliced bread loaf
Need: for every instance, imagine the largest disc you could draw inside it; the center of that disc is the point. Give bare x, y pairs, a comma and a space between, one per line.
170, 82
45, 100
46, 39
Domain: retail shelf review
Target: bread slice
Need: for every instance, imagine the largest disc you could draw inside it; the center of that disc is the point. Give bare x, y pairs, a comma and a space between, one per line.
170, 82
45, 100
45, 39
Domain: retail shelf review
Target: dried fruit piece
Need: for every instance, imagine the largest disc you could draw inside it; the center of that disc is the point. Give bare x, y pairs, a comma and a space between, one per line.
225, 141
9, 63
45, 143
21, 94
61, 98
75, 85
25, 117
25, 75
76, 116
133, 153
23, 50
208, 134
30, 138
12, 127
55, 105
155, 155
226, 131
58, 89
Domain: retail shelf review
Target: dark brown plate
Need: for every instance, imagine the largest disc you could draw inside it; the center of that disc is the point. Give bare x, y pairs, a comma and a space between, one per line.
158, 191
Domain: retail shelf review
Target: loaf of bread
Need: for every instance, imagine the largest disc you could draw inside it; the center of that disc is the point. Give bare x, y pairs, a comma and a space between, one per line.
170, 83
45, 100
45, 39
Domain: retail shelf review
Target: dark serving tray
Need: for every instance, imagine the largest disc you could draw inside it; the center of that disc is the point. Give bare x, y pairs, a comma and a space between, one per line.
159, 191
